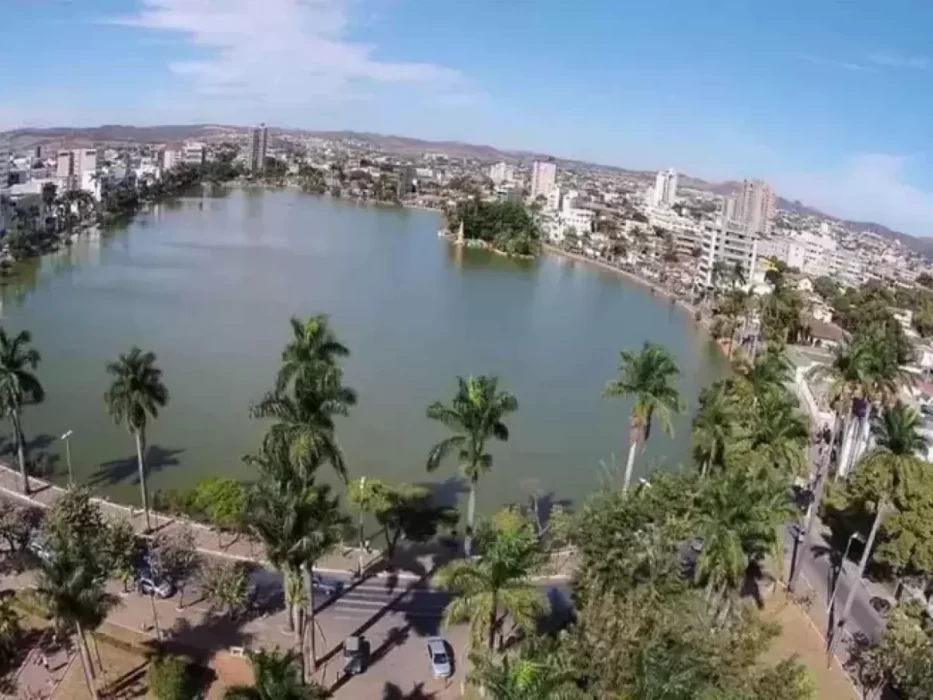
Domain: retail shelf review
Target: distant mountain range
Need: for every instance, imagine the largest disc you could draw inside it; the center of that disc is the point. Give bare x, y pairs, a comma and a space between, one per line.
116, 135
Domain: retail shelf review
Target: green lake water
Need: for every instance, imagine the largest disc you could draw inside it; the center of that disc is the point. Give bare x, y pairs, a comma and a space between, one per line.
209, 285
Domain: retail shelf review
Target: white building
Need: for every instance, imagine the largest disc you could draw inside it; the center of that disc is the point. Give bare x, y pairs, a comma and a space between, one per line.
258, 144
76, 169
543, 178
665, 188
5, 156
193, 153
686, 233
501, 173
729, 242
170, 158
788, 250
755, 206
553, 199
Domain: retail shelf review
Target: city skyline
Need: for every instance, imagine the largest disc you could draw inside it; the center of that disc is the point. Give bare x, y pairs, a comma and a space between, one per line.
832, 114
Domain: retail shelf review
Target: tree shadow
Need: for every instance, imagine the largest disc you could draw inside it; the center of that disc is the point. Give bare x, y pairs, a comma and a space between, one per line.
201, 641
126, 469
392, 692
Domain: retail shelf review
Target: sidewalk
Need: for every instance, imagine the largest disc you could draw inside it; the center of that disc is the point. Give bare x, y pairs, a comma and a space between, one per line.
245, 548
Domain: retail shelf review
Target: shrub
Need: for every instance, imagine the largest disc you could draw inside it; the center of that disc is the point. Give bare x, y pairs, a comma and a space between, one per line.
169, 679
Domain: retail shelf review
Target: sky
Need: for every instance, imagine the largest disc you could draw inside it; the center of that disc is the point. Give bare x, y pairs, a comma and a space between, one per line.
828, 100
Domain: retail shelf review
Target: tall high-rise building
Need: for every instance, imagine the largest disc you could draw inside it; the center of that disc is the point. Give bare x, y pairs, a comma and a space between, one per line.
75, 168
755, 206
665, 188
543, 178
501, 173
258, 143
5, 155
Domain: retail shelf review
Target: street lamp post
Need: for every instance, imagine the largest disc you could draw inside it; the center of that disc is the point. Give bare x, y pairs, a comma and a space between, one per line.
845, 555
66, 437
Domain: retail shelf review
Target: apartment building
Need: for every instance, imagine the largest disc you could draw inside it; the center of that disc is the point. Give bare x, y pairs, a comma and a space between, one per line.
502, 173
665, 189
194, 153
258, 145
543, 178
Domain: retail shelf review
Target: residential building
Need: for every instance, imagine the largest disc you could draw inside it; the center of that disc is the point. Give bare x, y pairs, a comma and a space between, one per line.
554, 198
193, 153
731, 243
755, 206
790, 251
5, 155
686, 233
171, 157
258, 144
665, 189
501, 173
76, 169
905, 317
407, 180
581, 220
543, 178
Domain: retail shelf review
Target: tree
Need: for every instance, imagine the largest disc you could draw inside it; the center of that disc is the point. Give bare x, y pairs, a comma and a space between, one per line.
368, 496
168, 678
10, 635
224, 501
408, 512
476, 414
885, 471
225, 585
777, 432
123, 551
497, 580
72, 585
276, 677
173, 558
19, 386
135, 395
522, 678
826, 287
714, 426
18, 524
648, 376
298, 522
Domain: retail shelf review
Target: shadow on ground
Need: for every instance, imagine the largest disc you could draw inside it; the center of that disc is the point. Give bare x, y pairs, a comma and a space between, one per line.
126, 469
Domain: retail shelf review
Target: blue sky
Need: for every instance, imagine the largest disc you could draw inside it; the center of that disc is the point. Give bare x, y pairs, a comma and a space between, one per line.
830, 100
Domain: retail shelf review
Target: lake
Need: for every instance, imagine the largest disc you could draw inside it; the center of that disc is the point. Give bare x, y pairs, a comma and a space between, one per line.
209, 284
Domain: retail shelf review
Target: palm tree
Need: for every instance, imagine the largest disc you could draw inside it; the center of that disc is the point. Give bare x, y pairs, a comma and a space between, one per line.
313, 349
519, 678
649, 377
497, 580
135, 395
475, 415
713, 426
768, 375
888, 468
73, 588
778, 433
276, 677
18, 386
298, 522
10, 634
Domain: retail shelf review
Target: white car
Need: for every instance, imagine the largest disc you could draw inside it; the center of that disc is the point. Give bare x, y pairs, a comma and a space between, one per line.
161, 589
440, 659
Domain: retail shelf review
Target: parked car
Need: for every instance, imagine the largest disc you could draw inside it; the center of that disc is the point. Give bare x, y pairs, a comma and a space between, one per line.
148, 586
38, 547
440, 659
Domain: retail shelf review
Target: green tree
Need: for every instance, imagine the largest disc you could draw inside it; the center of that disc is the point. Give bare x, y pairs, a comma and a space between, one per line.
522, 678
647, 376
369, 496
882, 476
276, 677
10, 635
714, 426
826, 287
225, 585
168, 678
135, 395
72, 584
224, 501
498, 580
476, 415
123, 550
19, 386
778, 433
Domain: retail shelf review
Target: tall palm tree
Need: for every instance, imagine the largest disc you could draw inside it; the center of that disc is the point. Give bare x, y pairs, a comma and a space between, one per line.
649, 377
298, 522
135, 395
314, 348
496, 581
778, 433
74, 590
714, 425
19, 386
768, 375
883, 473
476, 414
276, 677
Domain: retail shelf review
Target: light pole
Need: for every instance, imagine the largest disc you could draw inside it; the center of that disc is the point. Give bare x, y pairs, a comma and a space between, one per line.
65, 437
845, 555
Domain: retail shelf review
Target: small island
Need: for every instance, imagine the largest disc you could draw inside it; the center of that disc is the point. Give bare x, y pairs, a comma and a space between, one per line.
509, 228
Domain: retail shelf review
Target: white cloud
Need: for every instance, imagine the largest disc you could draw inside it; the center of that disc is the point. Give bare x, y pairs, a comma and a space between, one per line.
894, 60
835, 63
868, 187
281, 51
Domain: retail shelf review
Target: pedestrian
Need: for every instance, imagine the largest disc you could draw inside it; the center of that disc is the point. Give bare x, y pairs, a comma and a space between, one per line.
44, 660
